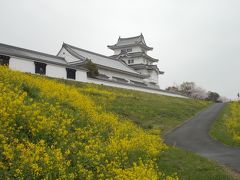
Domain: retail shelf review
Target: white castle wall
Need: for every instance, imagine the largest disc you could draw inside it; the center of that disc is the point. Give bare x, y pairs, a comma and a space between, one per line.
52, 70
143, 71
21, 64
153, 76
56, 71
134, 49
137, 60
59, 71
27, 65
81, 76
110, 74
126, 86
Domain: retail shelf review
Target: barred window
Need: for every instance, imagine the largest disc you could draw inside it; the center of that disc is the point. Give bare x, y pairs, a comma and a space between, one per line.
71, 73
126, 50
4, 60
40, 68
130, 61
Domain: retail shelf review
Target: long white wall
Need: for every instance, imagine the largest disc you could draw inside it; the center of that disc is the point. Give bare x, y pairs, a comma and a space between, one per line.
120, 75
21, 64
52, 70
126, 86
81, 76
57, 71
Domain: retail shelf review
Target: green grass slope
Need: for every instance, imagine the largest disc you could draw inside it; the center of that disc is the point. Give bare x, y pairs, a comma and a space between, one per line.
156, 113
53, 131
52, 128
150, 111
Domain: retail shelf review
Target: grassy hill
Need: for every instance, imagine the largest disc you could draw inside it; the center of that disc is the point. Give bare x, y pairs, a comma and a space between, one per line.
157, 114
68, 130
149, 111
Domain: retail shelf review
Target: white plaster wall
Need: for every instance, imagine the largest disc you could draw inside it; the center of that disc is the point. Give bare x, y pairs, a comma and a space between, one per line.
81, 75
21, 64
113, 84
56, 71
137, 49
143, 71
120, 75
60, 72
65, 54
117, 51
137, 60
154, 76
134, 49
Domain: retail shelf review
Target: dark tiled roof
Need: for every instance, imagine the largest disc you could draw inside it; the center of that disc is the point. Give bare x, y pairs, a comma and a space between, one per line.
35, 56
102, 60
119, 79
102, 76
135, 54
130, 41
72, 52
145, 66
30, 54
114, 56
142, 54
138, 83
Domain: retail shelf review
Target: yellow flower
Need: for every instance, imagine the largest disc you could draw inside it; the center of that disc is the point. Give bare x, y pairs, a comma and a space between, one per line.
49, 129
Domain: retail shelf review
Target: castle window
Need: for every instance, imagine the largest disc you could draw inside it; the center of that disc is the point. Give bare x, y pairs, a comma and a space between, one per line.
126, 50
40, 68
4, 60
130, 61
71, 73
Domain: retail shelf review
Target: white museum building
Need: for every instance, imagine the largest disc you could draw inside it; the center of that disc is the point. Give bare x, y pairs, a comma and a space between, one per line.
130, 67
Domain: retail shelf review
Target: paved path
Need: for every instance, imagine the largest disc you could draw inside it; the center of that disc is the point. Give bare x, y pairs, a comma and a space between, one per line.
193, 136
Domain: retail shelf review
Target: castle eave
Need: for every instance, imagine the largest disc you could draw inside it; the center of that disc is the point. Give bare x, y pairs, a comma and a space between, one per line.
130, 42
116, 46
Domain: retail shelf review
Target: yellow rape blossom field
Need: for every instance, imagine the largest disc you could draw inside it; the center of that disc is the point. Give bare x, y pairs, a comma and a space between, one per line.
50, 130
227, 127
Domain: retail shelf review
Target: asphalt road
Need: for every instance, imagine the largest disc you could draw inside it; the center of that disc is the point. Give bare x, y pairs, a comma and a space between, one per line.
194, 136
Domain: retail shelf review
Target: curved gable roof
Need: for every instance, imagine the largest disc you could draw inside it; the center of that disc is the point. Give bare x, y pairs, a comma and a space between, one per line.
101, 60
26, 53
130, 41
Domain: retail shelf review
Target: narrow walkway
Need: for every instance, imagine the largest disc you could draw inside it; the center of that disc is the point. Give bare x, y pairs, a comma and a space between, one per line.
194, 136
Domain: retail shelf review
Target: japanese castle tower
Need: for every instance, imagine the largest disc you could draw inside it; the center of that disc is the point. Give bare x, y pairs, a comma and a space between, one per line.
133, 51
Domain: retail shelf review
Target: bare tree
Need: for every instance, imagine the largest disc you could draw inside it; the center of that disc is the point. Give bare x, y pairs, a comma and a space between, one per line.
187, 88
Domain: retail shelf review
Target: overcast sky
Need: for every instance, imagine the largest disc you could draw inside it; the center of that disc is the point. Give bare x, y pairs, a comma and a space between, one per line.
194, 40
